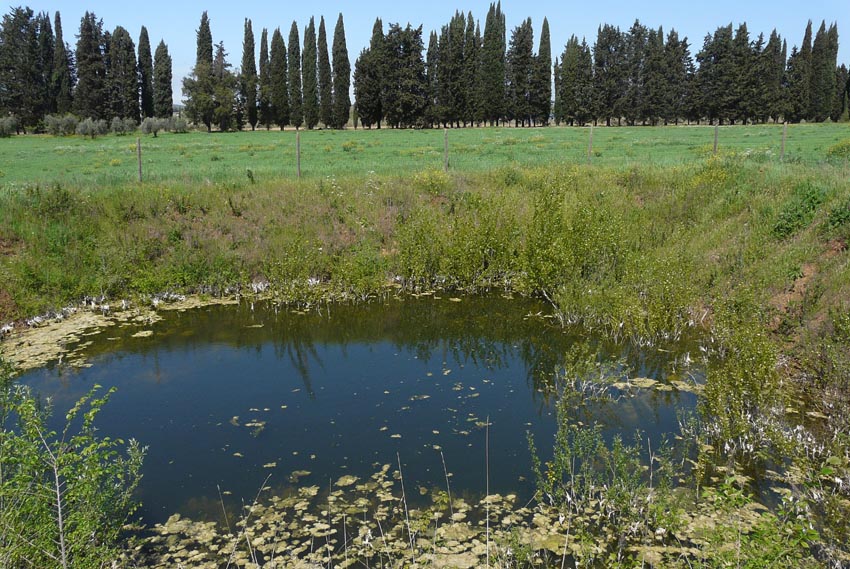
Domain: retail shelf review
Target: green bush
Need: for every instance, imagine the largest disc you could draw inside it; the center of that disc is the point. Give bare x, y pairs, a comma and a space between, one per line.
8, 126
122, 126
64, 497
798, 212
839, 149
61, 125
92, 128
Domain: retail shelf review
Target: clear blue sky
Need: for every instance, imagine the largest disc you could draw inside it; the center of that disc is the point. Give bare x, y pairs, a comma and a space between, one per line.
176, 22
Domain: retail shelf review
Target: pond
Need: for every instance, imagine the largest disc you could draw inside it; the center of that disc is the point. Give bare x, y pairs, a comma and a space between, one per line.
226, 396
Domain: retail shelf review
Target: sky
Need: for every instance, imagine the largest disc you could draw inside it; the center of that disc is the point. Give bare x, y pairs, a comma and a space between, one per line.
176, 22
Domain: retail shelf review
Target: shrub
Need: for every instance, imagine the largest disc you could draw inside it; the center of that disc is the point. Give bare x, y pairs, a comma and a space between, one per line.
122, 126
152, 125
8, 126
179, 125
92, 128
61, 125
799, 210
839, 150
65, 496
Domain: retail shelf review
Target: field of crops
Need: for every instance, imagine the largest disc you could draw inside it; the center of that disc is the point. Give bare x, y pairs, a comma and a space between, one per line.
266, 156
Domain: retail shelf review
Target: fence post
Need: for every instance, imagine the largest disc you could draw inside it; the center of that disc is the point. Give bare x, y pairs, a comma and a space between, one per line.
716, 134
139, 155
445, 150
784, 137
590, 144
298, 152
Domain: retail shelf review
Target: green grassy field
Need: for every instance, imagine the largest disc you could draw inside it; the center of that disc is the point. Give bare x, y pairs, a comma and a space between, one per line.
224, 158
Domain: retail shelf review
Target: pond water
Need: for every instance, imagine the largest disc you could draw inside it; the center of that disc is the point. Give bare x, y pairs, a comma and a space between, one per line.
225, 396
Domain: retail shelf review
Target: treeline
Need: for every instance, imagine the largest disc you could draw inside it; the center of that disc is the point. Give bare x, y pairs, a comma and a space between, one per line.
103, 78
465, 76
637, 76
291, 87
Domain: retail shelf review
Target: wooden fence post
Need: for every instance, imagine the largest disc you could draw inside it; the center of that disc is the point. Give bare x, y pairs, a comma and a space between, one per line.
716, 135
298, 152
139, 155
784, 137
445, 150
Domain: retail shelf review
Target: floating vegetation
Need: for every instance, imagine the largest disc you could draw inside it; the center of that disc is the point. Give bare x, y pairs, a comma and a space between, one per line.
370, 523
298, 475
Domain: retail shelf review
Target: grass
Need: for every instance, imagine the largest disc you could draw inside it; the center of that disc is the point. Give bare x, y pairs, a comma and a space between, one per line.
201, 158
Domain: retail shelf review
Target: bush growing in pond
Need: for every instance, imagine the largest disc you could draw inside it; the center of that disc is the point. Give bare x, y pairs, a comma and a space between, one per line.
64, 497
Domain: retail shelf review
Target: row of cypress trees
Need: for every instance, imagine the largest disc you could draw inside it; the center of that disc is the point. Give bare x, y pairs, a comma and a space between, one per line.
637, 76
291, 87
103, 77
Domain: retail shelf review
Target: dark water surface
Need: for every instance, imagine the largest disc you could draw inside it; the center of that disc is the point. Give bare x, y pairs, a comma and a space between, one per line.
226, 395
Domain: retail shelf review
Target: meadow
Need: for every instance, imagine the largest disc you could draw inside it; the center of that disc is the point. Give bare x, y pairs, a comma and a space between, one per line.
202, 158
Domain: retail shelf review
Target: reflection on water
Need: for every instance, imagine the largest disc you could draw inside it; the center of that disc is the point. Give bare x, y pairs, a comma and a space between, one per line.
226, 395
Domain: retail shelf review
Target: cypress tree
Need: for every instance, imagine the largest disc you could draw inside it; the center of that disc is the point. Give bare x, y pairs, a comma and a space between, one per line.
679, 69
491, 79
163, 101
20, 91
146, 73
62, 79
822, 89
800, 78
520, 66
204, 50
716, 76
609, 69
744, 76
200, 86
369, 79
309, 77
431, 65
279, 81
655, 86
46, 47
325, 81
225, 92
405, 86
541, 85
123, 75
576, 83
263, 102
471, 47
91, 96
296, 111
248, 75
341, 77
772, 70
635, 44
839, 102
450, 88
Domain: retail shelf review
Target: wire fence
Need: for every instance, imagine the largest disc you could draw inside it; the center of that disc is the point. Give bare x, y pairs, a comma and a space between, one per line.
248, 157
